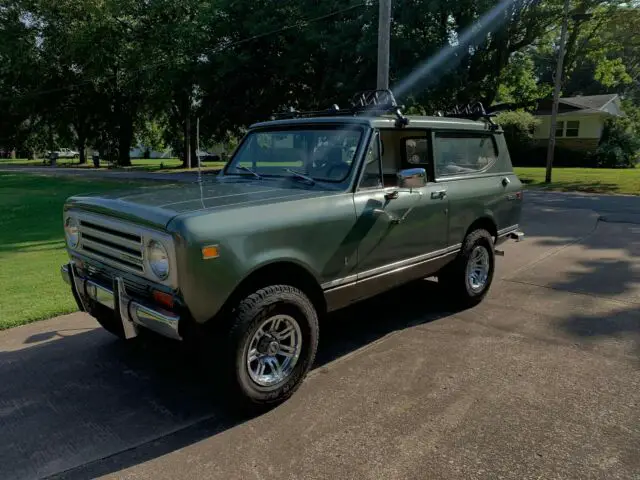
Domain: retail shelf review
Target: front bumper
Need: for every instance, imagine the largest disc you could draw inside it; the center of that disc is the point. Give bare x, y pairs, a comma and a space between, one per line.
133, 314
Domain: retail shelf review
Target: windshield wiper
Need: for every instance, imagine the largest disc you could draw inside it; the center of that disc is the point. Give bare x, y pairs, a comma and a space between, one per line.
247, 169
300, 175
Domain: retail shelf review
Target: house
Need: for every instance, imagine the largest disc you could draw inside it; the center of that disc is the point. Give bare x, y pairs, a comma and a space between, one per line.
580, 120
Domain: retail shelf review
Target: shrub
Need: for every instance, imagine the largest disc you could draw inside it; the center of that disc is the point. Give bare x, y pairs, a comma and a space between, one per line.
518, 129
619, 146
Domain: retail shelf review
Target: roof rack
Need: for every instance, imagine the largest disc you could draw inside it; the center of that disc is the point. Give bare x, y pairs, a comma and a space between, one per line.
369, 102
471, 111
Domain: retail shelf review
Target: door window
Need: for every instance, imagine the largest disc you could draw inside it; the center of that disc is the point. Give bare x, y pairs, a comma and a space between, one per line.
372, 175
462, 153
416, 151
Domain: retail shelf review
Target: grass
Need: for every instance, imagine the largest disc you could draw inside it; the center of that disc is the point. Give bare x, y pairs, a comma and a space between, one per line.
32, 244
137, 164
592, 180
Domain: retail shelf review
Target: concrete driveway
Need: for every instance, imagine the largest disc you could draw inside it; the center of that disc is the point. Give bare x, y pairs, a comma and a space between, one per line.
542, 380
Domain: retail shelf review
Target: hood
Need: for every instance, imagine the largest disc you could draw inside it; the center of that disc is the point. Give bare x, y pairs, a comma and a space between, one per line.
156, 205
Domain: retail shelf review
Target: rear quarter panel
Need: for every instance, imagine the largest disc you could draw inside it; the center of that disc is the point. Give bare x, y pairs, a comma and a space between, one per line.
484, 195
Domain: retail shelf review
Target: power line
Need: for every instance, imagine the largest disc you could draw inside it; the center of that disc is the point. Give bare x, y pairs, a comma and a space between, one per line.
220, 49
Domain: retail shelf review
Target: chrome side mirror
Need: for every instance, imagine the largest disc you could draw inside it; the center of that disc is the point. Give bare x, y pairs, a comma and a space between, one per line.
412, 178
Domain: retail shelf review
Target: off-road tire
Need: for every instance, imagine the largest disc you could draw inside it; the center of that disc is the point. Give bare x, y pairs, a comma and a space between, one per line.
244, 321
452, 279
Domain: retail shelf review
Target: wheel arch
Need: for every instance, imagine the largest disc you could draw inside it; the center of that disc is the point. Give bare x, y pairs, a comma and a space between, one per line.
280, 272
485, 222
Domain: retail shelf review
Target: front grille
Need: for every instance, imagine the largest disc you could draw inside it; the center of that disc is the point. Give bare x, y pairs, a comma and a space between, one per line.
103, 277
112, 242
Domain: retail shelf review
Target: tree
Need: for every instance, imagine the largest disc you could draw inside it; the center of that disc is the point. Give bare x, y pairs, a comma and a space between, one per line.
20, 73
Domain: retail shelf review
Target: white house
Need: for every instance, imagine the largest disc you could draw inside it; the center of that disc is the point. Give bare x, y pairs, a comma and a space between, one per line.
580, 120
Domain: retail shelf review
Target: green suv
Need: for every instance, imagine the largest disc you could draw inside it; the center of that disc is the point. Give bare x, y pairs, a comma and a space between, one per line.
313, 212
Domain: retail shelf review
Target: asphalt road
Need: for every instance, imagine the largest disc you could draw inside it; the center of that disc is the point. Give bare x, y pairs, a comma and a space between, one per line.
542, 380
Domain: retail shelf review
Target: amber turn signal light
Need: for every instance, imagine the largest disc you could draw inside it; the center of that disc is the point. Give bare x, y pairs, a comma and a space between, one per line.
210, 251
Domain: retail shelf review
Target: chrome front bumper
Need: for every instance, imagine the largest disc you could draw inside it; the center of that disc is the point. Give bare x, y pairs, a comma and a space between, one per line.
131, 313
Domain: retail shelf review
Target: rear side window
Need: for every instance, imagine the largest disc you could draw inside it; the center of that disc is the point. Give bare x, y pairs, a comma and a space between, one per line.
416, 150
463, 153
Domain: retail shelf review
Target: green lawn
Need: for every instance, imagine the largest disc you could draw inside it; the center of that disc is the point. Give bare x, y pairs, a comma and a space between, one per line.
32, 244
142, 164
151, 164
594, 180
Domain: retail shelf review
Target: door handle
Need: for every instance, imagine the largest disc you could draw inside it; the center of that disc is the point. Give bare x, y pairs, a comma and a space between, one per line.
392, 195
439, 194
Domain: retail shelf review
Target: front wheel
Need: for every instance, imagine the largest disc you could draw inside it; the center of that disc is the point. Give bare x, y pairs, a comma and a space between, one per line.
467, 279
271, 345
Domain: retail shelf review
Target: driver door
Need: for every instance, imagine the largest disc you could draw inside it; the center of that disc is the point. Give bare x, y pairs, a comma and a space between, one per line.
405, 228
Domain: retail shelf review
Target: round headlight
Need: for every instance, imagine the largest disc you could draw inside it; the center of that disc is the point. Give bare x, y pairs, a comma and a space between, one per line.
158, 259
71, 232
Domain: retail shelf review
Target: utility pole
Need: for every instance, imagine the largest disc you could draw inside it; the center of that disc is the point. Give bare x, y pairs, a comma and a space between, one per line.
198, 149
384, 40
187, 139
556, 93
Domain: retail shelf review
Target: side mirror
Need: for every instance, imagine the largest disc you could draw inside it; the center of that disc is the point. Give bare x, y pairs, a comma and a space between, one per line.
412, 178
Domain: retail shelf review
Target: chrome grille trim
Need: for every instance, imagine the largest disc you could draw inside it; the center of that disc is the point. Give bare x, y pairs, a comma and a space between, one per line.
115, 254
112, 242
125, 242
121, 245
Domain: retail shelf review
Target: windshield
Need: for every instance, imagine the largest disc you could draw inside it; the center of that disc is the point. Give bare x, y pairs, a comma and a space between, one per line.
320, 153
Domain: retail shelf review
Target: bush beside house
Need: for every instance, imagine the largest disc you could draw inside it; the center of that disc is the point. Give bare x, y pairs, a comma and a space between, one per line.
518, 129
619, 145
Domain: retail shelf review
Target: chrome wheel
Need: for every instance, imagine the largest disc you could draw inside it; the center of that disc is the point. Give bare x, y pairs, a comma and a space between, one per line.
274, 350
478, 268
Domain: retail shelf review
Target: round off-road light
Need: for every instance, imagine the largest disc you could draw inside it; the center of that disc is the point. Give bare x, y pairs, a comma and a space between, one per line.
158, 259
72, 232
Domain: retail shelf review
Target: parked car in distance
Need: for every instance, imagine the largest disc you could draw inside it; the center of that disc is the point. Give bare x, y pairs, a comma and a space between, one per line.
209, 157
314, 211
64, 153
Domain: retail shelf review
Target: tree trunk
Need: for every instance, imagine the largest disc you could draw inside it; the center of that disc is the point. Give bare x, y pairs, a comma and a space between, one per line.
194, 149
187, 140
82, 142
125, 137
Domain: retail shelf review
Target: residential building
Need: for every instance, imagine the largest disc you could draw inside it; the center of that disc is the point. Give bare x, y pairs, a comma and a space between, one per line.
580, 120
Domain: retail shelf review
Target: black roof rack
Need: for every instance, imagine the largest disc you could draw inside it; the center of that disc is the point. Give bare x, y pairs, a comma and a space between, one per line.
369, 102
470, 111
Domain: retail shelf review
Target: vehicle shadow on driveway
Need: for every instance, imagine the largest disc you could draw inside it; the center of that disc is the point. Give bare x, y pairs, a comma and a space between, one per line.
87, 405
612, 272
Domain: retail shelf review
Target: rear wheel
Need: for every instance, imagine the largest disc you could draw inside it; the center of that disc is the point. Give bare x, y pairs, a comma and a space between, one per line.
467, 279
271, 345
